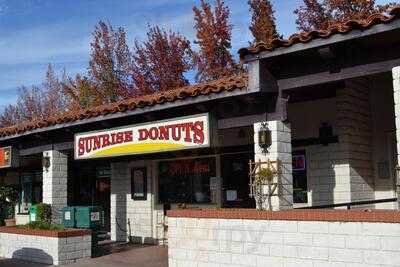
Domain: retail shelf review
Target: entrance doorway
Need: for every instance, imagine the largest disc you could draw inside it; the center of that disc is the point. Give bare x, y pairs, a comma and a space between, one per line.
103, 194
92, 187
235, 173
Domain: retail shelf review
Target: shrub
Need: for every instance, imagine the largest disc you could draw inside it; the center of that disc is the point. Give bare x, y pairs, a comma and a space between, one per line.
43, 213
40, 225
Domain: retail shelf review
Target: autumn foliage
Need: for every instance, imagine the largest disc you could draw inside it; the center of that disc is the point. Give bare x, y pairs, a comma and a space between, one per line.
213, 33
110, 63
160, 62
320, 14
263, 26
36, 102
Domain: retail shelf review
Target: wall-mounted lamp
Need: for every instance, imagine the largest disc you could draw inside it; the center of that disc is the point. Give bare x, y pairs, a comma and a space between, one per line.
264, 137
46, 162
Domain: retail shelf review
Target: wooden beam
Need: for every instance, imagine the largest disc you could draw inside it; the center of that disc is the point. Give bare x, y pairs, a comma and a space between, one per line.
40, 149
342, 74
35, 150
241, 121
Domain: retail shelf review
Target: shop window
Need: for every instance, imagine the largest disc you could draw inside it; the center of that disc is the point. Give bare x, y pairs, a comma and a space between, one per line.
139, 184
299, 177
186, 181
30, 190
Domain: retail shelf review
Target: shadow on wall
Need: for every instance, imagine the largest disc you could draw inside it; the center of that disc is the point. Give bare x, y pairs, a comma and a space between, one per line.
36, 257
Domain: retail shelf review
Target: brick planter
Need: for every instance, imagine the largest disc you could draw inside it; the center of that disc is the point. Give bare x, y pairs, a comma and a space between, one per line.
44, 246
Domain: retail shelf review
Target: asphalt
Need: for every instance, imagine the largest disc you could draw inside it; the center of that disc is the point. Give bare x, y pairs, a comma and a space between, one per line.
152, 256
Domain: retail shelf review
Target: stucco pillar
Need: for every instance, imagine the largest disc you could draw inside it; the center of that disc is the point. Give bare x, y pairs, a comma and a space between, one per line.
396, 90
281, 150
55, 182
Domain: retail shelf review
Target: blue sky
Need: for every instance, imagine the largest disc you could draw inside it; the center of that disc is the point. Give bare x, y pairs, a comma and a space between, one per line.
34, 33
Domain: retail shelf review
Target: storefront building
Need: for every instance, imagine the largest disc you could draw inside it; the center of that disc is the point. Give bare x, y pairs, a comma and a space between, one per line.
328, 99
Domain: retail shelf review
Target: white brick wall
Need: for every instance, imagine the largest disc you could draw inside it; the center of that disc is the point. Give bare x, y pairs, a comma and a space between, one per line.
281, 149
55, 181
396, 91
139, 212
47, 250
205, 242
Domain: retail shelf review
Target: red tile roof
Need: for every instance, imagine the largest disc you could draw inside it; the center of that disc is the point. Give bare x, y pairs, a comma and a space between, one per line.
340, 28
222, 85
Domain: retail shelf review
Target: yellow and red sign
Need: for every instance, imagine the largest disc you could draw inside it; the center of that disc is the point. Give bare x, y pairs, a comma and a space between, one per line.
5, 157
161, 136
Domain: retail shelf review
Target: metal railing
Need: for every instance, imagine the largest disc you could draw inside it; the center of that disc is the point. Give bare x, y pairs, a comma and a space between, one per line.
351, 204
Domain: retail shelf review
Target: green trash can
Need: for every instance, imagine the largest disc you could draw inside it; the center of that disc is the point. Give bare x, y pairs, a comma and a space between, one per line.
33, 213
90, 217
68, 217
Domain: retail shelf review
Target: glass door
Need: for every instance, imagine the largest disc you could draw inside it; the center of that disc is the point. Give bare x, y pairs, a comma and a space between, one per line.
235, 175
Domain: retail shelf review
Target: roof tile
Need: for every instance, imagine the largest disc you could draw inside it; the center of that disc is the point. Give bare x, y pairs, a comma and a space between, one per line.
305, 37
222, 85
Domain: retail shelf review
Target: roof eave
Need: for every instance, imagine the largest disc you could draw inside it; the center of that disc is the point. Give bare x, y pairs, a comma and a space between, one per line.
139, 111
247, 56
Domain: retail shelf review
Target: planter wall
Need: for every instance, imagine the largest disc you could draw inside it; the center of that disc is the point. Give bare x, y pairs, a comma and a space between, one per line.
49, 247
291, 238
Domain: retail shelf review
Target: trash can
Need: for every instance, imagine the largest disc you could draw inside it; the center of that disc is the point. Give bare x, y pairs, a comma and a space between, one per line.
90, 217
33, 213
68, 217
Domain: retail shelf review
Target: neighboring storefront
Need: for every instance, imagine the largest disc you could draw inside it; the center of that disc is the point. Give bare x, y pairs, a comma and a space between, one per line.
331, 127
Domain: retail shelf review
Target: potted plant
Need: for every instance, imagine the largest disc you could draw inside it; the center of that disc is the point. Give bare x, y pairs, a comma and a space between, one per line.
8, 200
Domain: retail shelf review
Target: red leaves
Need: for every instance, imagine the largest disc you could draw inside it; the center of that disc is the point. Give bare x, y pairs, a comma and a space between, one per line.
214, 59
160, 62
316, 14
36, 102
262, 25
110, 63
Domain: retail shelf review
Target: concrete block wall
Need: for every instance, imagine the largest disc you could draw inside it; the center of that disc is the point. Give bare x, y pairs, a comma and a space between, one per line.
281, 149
237, 242
55, 180
47, 250
328, 174
360, 141
396, 87
134, 217
355, 129
396, 96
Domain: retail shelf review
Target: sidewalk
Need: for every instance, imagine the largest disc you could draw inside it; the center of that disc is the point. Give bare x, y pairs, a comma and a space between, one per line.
153, 256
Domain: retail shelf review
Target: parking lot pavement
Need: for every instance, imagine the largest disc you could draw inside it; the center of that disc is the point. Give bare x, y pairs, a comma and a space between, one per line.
153, 256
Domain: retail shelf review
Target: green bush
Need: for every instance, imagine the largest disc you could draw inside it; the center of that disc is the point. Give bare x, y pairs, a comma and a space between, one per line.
38, 225
43, 213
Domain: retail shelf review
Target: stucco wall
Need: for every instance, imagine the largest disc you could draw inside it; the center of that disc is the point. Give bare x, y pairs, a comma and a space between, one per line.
237, 242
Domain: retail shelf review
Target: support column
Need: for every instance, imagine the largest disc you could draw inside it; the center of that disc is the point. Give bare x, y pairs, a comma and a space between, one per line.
281, 149
55, 182
396, 89
120, 192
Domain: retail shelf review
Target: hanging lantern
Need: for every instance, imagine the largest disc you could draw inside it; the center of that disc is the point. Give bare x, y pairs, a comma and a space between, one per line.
264, 138
46, 162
